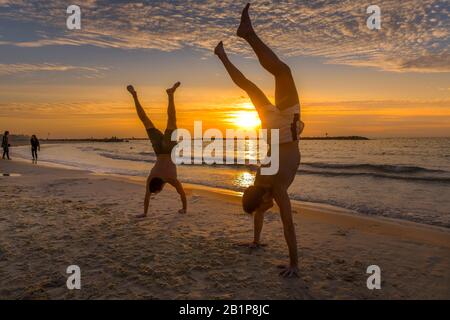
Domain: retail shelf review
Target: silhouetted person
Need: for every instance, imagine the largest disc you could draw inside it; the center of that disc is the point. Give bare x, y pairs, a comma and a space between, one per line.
164, 171
6, 145
284, 116
35, 146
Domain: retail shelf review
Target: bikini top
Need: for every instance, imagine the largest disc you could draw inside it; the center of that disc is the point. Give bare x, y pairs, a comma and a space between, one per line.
287, 121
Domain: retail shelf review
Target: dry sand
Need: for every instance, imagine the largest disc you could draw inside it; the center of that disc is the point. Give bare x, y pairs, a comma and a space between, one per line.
51, 218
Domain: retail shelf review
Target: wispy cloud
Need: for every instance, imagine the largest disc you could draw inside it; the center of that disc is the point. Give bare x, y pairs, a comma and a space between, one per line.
15, 68
414, 36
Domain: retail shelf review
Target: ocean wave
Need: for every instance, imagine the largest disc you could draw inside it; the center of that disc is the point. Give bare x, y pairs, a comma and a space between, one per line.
445, 179
385, 168
87, 149
151, 157
386, 171
367, 210
148, 158
411, 173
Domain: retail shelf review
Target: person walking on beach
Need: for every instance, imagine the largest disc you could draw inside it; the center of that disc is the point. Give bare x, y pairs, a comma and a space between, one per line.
35, 146
284, 116
164, 171
6, 145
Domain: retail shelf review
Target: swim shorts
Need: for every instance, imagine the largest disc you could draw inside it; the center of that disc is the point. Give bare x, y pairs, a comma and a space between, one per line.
162, 142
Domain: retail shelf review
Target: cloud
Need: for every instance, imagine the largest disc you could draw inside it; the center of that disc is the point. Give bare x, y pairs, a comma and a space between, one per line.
414, 35
6, 2
15, 68
439, 62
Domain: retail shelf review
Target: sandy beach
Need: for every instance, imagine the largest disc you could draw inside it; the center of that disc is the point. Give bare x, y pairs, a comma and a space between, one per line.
51, 218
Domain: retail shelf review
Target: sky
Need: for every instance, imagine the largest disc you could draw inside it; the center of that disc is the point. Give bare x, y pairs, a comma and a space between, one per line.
59, 83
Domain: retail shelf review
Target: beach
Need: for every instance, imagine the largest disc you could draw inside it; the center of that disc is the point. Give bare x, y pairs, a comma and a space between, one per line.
52, 217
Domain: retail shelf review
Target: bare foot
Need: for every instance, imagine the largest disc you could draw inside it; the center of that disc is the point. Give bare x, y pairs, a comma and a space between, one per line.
245, 28
174, 88
140, 216
182, 211
219, 50
131, 89
289, 271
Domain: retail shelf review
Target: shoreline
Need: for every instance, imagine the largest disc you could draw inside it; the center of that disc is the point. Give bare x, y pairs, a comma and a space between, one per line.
322, 179
236, 195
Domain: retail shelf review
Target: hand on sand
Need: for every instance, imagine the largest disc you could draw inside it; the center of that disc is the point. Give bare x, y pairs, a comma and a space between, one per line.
174, 88
289, 271
219, 50
182, 211
246, 24
131, 89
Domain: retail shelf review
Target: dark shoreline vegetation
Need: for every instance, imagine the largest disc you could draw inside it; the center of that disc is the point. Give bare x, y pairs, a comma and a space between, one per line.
114, 139
336, 138
23, 139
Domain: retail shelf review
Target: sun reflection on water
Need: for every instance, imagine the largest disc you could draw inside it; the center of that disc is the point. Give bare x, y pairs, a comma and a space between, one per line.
244, 179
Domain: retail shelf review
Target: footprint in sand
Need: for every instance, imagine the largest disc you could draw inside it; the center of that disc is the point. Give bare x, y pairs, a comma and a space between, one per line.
339, 261
195, 199
342, 233
111, 204
349, 277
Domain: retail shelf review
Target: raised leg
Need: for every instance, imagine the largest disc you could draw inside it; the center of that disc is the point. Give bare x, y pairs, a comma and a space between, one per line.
171, 112
258, 97
140, 110
286, 94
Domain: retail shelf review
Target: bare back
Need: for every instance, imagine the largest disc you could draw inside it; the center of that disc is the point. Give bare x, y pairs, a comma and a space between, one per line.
164, 168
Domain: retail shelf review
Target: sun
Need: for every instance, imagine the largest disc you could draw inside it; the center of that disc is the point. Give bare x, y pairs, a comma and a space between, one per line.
247, 119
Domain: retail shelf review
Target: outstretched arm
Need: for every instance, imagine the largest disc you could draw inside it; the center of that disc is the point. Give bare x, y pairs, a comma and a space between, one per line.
284, 203
146, 201
179, 187
147, 198
140, 111
258, 221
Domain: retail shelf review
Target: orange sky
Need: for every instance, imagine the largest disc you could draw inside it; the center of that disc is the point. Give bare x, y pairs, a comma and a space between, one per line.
351, 81
109, 111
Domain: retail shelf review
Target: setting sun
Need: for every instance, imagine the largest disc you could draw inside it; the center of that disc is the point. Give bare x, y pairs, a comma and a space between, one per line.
245, 119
